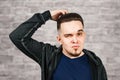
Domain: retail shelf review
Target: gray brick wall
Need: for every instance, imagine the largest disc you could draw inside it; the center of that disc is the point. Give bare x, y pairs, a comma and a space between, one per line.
102, 24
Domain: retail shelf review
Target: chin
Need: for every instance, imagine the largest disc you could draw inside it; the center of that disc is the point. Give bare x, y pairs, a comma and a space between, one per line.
75, 54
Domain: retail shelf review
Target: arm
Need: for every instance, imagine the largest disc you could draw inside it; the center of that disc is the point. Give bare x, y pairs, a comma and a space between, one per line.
21, 36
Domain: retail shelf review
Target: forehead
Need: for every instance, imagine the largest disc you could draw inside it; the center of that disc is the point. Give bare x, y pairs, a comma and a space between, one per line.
71, 27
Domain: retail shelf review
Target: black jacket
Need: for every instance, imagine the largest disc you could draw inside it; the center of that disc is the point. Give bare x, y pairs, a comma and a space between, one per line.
46, 55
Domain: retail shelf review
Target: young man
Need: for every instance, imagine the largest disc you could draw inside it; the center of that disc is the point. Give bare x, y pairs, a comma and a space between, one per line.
68, 62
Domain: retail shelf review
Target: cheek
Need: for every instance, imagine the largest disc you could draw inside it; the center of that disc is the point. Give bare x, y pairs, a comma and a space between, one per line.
82, 40
65, 42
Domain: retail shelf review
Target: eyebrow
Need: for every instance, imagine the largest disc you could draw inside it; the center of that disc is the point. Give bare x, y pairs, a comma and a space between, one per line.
80, 30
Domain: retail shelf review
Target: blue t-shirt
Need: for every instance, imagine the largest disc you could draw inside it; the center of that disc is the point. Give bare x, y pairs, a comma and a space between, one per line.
73, 69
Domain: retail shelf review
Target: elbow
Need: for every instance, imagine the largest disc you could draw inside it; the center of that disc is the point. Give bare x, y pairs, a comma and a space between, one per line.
13, 37
16, 38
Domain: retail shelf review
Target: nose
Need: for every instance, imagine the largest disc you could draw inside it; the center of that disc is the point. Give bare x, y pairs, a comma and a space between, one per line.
75, 39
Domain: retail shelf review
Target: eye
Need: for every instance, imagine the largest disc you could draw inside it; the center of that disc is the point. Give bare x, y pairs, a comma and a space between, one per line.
80, 33
68, 35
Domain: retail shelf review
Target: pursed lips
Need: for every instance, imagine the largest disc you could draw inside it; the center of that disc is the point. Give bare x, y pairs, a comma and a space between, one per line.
75, 46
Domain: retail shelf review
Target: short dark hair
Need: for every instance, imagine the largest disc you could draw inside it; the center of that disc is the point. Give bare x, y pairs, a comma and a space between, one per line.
69, 17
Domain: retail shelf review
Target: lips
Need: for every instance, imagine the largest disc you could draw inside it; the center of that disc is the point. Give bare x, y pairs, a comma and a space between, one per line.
75, 46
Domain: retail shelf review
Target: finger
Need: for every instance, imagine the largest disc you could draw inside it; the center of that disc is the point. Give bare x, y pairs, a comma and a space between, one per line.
64, 12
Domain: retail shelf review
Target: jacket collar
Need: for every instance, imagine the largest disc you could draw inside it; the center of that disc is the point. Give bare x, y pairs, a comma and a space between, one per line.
92, 56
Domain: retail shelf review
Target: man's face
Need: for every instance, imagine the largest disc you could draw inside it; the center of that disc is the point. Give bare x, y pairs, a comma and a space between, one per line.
71, 37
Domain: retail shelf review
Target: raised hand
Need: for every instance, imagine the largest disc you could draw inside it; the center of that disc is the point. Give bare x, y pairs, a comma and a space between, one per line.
57, 13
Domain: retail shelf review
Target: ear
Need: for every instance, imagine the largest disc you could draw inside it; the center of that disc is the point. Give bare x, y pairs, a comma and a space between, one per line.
59, 39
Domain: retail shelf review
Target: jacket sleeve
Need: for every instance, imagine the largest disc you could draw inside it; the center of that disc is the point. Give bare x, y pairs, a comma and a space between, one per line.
21, 36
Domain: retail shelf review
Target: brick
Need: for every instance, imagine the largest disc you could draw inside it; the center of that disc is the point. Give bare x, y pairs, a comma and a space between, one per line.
5, 59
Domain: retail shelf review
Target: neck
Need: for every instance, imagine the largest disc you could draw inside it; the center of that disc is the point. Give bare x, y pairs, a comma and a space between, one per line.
73, 56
